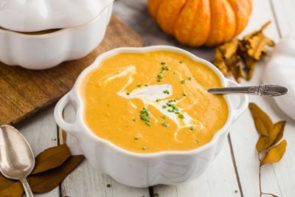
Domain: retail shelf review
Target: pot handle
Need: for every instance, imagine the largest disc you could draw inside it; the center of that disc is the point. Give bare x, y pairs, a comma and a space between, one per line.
58, 115
243, 103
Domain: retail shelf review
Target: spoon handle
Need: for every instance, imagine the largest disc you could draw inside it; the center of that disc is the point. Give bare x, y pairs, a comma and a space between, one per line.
27, 188
262, 90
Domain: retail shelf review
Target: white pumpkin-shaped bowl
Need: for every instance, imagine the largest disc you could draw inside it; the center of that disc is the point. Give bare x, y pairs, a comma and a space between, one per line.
143, 170
40, 34
39, 15
281, 71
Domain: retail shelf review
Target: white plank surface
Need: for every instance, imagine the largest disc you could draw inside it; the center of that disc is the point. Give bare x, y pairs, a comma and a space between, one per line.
285, 15
220, 179
275, 178
41, 133
284, 11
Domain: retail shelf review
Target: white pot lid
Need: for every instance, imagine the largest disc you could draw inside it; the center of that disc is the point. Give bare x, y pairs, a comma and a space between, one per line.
39, 15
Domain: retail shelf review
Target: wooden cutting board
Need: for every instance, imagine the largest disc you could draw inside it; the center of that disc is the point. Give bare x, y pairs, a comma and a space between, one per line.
24, 92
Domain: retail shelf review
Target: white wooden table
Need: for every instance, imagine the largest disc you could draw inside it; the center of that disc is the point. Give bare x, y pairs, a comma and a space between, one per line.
235, 171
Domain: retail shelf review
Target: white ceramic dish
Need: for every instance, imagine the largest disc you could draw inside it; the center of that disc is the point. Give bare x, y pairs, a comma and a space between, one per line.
142, 170
38, 15
44, 51
280, 70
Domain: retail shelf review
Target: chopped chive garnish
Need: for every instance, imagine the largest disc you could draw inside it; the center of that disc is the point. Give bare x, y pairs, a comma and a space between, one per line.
128, 93
182, 81
190, 78
165, 124
192, 128
159, 77
180, 116
136, 138
144, 148
164, 68
184, 94
145, 116
166, 92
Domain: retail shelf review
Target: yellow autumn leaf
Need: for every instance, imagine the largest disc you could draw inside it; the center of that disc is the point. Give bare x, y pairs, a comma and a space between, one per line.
262, 121
229, 49
275, 154
219, 62
262, 143
275, 135
277, 132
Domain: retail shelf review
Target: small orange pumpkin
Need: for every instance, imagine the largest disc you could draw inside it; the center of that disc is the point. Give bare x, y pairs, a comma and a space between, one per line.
201, 22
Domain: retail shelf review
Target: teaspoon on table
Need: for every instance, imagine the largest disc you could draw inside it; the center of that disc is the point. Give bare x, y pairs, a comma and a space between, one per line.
262, 90
16, 157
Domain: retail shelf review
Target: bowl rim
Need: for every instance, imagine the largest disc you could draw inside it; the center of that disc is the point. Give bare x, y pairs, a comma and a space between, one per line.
57, 31
76, 93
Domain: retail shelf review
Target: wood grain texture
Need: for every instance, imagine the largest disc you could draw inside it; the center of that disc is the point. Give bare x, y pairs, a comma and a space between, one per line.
23, 92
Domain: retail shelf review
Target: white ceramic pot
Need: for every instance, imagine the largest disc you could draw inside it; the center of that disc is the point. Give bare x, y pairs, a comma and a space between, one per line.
48, 50
143, 170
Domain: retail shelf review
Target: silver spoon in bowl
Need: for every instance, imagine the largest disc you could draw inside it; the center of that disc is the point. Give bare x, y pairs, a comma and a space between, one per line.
262, 90
16, 157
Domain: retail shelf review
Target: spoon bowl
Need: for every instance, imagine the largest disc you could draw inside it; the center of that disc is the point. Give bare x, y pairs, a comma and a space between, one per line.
16, 156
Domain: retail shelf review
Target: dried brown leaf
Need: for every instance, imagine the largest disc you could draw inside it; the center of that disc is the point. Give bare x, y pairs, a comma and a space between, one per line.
263, 27
51, 158
47, 181
258, 46
256, 43
275, 154
250, 65
262, 143
229, 49
220, 63
238, 58
277, 132
262, 121
4, 182
275, 135
226, 57
42, 182
46, 178
12, 190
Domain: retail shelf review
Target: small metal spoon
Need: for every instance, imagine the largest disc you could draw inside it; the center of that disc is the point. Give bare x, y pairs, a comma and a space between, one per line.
262, 90
16, 156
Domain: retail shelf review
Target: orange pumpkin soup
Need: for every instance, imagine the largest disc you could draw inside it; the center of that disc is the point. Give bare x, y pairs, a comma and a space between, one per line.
153, 101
